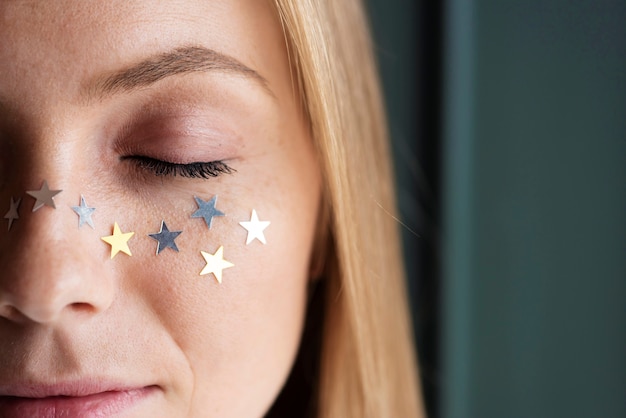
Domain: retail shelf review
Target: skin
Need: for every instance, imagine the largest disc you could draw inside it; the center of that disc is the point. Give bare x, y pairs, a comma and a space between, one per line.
69, 313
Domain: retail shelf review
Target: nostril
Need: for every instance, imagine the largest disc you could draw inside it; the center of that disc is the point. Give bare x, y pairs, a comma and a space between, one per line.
82, 307
12, 313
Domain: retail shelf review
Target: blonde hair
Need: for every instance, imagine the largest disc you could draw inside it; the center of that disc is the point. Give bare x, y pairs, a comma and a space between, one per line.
367, 358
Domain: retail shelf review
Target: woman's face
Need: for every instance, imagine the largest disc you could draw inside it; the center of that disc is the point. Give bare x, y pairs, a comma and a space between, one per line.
94, 98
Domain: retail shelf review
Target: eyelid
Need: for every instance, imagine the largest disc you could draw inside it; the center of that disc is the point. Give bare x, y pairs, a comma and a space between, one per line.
198, 169
181, 133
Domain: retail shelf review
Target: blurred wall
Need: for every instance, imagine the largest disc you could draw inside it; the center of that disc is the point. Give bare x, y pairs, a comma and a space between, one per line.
535, 209
407, 42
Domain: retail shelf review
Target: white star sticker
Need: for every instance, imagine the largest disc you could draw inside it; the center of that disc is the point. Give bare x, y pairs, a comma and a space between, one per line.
215, 263
255, 228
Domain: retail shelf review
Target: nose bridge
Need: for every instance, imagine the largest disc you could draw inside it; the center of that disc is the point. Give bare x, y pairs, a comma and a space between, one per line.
48, 264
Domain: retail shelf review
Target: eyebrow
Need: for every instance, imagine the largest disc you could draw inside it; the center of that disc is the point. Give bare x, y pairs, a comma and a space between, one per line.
182, 60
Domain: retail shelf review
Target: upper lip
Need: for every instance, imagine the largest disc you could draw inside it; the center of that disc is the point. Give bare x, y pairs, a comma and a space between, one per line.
75, 388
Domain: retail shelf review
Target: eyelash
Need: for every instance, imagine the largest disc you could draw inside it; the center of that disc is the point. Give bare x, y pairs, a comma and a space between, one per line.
202, 170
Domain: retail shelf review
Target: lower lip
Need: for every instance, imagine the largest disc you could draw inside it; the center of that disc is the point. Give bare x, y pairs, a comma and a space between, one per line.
98, 405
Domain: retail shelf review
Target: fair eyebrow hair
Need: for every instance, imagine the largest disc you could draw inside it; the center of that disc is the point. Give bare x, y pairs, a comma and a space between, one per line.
182, 60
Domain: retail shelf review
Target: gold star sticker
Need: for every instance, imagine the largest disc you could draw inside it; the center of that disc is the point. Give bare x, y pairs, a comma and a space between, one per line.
215, 263
118, 241
255, 228
43, 196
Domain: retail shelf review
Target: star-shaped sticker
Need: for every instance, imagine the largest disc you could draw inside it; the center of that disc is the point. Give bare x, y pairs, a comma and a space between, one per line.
215, 263
84, 213
206, 210
12, 213
165, 238
44, 196
118, 241
255, 228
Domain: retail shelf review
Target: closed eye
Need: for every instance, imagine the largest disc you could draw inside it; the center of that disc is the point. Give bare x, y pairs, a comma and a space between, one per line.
198, 169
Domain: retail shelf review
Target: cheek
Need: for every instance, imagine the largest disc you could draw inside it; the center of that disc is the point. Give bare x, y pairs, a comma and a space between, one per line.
248, 326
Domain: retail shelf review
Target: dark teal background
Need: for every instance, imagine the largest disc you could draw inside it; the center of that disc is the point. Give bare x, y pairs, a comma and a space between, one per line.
529, 133
535, 232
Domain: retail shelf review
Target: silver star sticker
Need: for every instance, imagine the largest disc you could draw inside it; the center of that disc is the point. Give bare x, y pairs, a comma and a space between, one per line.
206, 210
84, 213
255, 228
44, 196
12, 213
166, 238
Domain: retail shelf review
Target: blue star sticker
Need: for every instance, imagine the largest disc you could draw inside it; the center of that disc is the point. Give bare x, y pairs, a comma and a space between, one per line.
84, 213
206, 210
166, 238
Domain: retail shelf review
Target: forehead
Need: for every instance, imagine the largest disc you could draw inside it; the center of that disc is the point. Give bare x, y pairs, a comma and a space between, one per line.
55, 46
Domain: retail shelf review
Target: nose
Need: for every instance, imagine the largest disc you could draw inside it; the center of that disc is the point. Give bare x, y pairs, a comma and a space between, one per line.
49, 268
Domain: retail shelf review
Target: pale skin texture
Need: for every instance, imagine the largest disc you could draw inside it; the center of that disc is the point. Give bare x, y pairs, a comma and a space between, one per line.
67, 311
